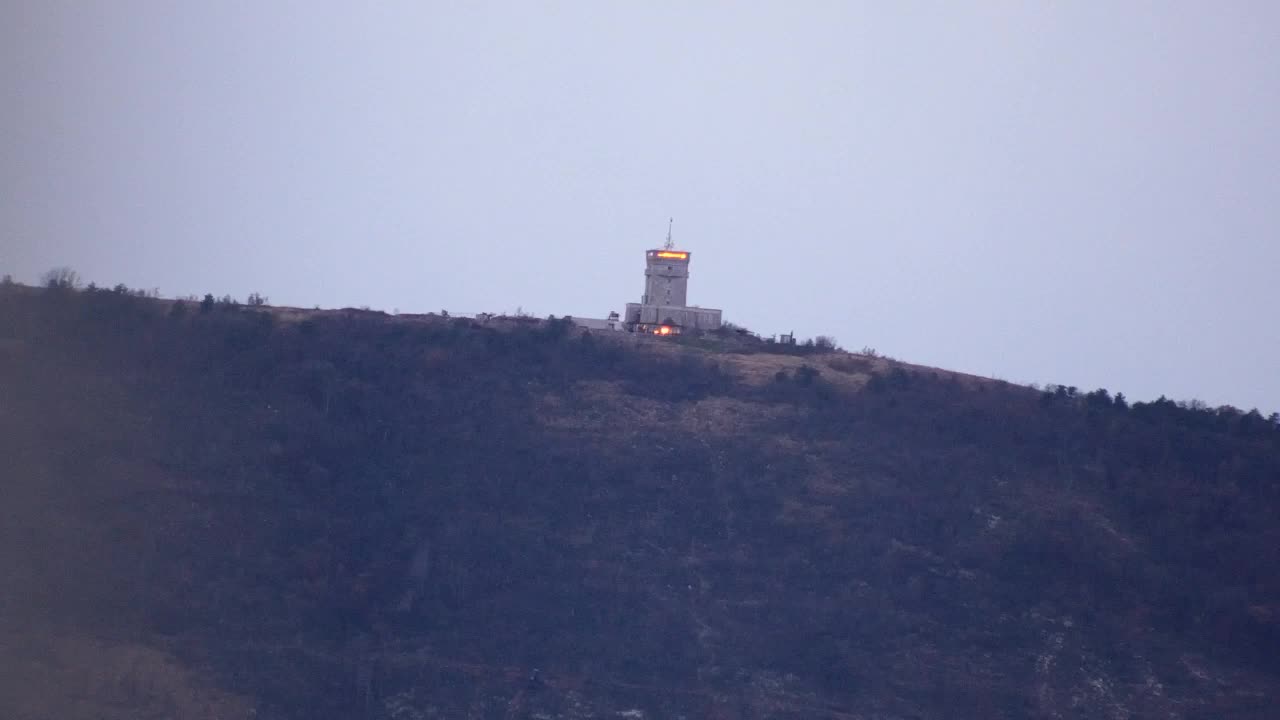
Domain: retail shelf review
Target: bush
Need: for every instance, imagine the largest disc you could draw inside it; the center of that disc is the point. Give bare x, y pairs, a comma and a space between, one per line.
805, 375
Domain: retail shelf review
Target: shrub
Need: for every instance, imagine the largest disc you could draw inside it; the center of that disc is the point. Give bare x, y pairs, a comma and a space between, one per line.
805, 375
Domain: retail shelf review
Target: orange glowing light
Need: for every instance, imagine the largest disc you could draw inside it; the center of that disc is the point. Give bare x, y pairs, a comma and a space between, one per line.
673, 254
664, 330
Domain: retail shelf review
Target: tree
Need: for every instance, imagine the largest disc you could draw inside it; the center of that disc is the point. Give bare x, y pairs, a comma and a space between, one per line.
558, 328
207, 303
7, 280
826, 343
61, 278
1099, 398
256, 300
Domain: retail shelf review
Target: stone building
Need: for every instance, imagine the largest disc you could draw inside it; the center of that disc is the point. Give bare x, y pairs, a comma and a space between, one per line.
663, 308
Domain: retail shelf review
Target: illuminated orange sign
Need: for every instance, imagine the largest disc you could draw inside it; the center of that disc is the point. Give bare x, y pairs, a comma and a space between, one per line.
673, 254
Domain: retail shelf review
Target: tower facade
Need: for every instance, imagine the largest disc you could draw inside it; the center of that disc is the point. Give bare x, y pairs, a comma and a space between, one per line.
666, 278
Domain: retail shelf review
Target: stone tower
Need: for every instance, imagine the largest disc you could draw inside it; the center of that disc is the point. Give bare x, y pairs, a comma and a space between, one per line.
666, 278
664, 307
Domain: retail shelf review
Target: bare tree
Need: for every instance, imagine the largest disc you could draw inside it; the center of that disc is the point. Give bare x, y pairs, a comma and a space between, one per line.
61, 278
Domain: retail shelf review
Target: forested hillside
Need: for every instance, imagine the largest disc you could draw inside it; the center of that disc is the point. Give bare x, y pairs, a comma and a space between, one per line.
214, 511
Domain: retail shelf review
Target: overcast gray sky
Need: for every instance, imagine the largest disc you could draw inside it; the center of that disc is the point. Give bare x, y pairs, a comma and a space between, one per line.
1077, 192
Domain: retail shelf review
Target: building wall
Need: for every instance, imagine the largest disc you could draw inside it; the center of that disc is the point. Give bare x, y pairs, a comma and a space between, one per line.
686, 317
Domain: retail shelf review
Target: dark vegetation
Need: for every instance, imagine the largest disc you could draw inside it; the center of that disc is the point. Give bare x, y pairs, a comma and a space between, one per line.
353, 516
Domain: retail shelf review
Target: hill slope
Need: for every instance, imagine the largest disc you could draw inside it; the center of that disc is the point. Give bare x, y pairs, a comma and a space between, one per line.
235, 513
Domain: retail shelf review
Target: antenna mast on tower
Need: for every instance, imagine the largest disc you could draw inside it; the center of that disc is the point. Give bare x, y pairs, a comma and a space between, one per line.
670, 245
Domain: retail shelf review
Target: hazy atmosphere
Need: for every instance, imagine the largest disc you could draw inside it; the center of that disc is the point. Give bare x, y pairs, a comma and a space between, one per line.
1076, 193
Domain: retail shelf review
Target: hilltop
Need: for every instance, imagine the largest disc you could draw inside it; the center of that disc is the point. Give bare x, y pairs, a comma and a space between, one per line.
230, 512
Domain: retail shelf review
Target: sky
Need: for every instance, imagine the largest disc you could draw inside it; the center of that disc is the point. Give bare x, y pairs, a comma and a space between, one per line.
1084, 193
